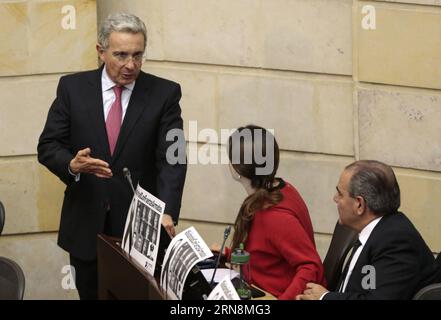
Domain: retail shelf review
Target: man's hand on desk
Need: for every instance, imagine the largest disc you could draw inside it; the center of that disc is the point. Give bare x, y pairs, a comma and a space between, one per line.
215, 247
313, 291
167, 222
84, 163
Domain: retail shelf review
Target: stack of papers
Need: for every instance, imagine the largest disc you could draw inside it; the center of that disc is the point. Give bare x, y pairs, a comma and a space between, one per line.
220, 274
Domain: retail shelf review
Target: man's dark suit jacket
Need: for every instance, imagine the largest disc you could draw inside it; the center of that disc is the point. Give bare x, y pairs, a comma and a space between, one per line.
403, 263
76, 121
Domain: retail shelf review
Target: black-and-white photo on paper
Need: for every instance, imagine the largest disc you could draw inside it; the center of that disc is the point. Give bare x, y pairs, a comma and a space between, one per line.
142, 230
184, 251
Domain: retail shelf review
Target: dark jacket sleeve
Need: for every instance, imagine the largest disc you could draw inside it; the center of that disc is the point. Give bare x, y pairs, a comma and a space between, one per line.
396, 270
54, 144
171, 167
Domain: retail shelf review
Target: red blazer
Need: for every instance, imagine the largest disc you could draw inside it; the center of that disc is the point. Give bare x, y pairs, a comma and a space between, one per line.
283, 257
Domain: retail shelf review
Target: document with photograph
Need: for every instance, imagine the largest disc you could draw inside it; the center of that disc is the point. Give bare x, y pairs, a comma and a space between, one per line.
143, 227
185, 250
224, 290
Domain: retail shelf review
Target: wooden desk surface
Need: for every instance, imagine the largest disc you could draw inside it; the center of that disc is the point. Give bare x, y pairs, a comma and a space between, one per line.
136, 284
267, 296
120, 277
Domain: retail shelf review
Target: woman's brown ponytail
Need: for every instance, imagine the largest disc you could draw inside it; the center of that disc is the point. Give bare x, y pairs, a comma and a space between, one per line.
266, 195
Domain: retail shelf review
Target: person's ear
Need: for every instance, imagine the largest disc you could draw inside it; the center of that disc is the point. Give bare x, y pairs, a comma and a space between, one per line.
360, 205
236, 176
100, 51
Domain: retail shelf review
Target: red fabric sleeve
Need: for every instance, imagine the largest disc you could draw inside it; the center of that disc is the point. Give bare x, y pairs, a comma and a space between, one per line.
294, 244
227, 252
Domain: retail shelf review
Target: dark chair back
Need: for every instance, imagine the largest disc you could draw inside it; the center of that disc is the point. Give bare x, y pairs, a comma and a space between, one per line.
12, 280
430, 292
2, 217
342, 240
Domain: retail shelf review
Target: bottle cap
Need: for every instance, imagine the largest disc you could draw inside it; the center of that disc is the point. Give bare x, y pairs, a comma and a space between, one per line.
240, 256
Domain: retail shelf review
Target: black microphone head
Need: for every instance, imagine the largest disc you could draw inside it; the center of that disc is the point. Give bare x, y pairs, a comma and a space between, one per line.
227, 232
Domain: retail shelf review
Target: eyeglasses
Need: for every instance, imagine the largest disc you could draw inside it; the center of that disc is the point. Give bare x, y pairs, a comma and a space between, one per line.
124, 57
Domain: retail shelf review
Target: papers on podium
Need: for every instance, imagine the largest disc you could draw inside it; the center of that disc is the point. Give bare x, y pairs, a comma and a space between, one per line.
220, 274
142, 229
185, 250
224, 290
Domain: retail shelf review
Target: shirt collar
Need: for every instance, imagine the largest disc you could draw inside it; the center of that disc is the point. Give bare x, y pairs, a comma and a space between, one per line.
366, 232
107, 83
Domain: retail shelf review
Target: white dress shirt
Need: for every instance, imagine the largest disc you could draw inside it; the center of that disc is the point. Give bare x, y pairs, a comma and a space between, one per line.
363, 237
109, 95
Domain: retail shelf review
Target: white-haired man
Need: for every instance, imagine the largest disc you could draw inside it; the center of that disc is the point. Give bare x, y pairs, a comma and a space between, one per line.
102, 121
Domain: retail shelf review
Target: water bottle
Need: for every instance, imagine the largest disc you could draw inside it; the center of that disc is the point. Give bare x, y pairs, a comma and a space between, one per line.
240, 262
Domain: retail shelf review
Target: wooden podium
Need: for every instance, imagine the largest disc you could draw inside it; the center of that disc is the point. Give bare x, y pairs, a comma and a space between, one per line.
120, 277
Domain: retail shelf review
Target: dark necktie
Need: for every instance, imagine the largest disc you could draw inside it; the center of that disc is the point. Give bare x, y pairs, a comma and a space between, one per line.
113, 122
355, 246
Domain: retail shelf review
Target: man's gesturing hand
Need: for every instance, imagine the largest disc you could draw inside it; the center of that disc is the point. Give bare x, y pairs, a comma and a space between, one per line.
83, 163
167, 222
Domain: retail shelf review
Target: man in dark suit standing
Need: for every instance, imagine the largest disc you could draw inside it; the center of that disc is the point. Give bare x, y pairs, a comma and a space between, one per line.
390, 259
101, 122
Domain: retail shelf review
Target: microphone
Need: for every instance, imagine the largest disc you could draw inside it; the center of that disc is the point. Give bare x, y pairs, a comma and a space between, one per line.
128, 176
226, 234
128, 233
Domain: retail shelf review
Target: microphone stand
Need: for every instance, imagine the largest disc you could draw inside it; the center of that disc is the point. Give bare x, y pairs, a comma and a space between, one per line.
128, 176
128, 233
226, 234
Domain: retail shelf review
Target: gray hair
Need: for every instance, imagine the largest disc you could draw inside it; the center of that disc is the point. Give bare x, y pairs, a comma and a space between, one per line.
120, 22
376, 183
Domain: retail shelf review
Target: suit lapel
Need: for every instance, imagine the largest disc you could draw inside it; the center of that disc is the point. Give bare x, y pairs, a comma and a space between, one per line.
135, 108
96, 113
365, 257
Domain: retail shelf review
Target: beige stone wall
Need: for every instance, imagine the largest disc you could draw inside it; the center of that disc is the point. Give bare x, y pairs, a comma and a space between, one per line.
39, 42
42, 262
332, 90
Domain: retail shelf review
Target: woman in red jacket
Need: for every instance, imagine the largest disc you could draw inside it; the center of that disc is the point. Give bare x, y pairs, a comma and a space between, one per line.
273, 221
